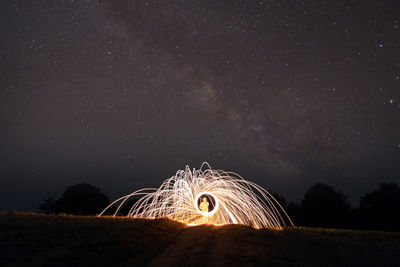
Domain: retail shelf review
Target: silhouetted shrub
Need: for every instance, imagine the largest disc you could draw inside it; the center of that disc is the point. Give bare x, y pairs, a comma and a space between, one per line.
280, 198
48, 206
82, 199
379, 209
294, 212
322, 206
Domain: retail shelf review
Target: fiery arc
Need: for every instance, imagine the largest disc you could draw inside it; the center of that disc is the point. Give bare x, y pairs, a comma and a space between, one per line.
233, 200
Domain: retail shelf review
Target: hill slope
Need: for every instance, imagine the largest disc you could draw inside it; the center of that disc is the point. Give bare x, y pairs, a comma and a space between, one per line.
81, 241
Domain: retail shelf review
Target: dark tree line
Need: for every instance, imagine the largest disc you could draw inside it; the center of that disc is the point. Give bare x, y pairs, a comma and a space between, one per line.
83, 199
79, 199
321, 206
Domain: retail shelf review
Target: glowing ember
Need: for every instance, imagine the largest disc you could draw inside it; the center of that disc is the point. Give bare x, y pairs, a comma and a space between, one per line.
207, 196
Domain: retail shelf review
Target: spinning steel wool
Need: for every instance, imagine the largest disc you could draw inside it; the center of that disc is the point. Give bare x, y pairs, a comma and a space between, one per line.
207, 196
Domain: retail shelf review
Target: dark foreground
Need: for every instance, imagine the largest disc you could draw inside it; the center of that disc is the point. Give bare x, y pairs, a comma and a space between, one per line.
32, 239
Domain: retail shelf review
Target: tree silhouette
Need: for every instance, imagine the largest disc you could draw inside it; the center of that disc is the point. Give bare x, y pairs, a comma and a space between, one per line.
322, 206
82, 199
48, 206
291, 209
294, 211
379, 209
280, 198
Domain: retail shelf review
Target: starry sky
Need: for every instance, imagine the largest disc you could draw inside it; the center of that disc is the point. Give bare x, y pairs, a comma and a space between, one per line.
121, 94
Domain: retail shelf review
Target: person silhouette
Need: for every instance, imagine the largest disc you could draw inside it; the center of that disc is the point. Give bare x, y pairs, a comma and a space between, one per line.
204, 205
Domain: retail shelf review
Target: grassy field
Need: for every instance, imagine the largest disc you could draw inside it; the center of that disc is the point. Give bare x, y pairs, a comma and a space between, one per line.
33, 239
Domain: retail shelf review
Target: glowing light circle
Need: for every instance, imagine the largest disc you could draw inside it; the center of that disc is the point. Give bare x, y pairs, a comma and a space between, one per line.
213, 211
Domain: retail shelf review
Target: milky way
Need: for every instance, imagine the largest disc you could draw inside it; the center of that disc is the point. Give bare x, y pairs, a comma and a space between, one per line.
120, 94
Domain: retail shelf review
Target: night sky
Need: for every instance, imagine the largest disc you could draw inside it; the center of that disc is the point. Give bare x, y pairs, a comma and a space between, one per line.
122, 94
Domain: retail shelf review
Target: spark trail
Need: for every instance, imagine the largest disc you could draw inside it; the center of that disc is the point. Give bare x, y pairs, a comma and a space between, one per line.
227, 198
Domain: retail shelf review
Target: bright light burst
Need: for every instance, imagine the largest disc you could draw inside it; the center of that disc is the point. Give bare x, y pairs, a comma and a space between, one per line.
207, 196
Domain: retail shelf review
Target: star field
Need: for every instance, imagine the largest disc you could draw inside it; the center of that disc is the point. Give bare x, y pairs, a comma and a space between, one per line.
121, 94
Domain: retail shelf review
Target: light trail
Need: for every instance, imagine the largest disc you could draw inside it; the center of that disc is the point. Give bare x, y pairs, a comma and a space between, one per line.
227, 197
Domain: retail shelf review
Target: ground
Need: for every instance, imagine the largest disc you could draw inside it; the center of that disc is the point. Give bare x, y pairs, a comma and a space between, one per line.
50, 240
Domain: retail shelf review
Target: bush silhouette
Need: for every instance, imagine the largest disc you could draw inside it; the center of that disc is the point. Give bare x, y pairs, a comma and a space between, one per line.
294, 211
48, 206
379, 209
81, 199
322, 206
